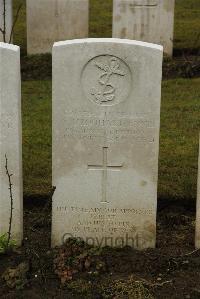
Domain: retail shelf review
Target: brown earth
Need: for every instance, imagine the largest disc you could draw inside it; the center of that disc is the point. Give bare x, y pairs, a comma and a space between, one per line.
172, 270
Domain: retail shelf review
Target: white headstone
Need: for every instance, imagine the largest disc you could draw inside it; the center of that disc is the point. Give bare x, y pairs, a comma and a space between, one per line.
106, 117
197, 238
146, 20
49, 21
7, 20
10, 140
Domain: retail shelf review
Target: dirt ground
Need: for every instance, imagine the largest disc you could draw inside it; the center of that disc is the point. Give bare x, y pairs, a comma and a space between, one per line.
172, 270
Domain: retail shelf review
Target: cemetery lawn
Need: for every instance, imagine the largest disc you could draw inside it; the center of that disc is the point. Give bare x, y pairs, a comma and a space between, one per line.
186, 39
180, 125
187, 23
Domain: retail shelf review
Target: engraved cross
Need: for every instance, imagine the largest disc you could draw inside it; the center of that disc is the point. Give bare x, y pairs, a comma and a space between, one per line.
104, 168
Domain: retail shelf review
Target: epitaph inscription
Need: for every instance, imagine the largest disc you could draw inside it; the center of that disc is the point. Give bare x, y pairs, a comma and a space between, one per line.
106, 80
108, 222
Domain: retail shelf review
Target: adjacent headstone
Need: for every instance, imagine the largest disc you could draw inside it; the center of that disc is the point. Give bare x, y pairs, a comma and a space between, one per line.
10, 141
106, 117
197, 239
6, 20
49, 21
146, 20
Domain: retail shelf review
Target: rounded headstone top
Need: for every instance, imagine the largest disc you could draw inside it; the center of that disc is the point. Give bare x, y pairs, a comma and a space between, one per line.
9, 46
109, 40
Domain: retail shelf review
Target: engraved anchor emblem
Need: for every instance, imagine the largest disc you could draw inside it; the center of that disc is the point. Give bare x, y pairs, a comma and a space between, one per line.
106, 92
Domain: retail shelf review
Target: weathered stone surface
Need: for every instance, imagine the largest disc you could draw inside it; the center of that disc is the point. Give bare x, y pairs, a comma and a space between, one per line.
49, 21
146, 20
197, 237
8, 19
10, 140
106, 117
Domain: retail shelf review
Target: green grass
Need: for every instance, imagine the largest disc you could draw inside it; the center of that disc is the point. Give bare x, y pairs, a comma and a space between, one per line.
180, 121
100, 18
36, 111
20, 27
187, 22
180, 124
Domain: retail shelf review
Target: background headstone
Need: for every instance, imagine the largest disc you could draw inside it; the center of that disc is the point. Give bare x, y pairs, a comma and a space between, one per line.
10, 140
145, 20
8, 19
106, 121
197, 239
49, 21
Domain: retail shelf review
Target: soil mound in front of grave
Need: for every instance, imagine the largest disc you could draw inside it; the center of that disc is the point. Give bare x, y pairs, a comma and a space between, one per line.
77, 270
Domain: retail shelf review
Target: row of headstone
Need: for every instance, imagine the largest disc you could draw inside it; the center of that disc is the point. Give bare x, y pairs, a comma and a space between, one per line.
105, 142
49, 21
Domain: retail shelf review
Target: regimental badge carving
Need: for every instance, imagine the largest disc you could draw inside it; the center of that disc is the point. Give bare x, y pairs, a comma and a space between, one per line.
106, 80
106, 91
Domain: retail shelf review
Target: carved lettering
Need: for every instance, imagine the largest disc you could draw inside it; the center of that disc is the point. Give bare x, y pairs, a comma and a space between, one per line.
113, 129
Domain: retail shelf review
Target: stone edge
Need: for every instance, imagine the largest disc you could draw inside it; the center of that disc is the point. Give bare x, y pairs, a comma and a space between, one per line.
109, 40
9, 47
